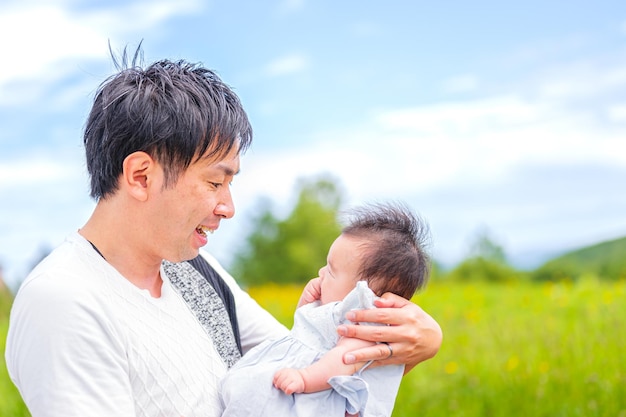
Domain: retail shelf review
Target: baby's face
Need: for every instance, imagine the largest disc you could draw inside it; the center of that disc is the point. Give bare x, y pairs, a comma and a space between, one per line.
340, 274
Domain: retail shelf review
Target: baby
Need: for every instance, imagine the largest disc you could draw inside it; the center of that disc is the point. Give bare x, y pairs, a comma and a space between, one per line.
303, 374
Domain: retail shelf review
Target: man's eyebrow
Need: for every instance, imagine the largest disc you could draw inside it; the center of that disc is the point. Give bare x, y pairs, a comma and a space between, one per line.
228, 171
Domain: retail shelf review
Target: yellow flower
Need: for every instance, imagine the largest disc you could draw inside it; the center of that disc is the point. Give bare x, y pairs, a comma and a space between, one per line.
451, 368
512, 363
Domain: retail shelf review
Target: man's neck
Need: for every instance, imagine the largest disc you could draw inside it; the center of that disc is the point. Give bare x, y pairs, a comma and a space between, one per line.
123, 248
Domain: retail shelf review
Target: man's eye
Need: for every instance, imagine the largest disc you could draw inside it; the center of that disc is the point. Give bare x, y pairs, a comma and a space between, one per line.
215, 184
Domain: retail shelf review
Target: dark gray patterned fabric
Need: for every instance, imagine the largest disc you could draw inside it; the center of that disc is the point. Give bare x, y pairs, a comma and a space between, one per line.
208, 307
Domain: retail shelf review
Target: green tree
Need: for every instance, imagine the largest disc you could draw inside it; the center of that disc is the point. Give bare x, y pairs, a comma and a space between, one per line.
293, 249
486, 262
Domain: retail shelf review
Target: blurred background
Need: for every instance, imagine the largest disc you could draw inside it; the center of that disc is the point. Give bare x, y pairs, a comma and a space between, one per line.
481, 115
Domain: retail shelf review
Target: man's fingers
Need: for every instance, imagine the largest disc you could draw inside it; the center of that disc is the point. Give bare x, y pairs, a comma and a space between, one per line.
378, 352
371, 333
387, 316
391, 300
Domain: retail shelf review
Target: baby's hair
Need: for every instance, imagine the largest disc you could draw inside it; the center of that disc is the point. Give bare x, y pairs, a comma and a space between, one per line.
393, 254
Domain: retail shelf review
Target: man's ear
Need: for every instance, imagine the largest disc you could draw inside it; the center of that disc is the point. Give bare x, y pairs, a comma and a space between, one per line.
138, 175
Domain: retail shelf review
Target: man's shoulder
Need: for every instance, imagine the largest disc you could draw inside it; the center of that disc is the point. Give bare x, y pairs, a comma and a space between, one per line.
65, 273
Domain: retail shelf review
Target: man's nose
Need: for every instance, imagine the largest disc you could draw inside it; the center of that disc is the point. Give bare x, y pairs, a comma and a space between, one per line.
225, 206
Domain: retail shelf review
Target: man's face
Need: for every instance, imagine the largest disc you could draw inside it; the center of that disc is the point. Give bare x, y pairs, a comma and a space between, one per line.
186, 212
340, 274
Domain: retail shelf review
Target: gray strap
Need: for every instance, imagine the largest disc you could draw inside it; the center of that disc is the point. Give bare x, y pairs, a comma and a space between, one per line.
207, 306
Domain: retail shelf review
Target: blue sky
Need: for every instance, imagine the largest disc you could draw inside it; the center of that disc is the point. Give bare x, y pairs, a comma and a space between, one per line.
480, 115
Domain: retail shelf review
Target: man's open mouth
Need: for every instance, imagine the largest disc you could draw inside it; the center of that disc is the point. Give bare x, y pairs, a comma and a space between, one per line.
202, 230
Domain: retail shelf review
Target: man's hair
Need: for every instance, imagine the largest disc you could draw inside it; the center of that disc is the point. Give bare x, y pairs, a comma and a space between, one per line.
177, 112
393, 254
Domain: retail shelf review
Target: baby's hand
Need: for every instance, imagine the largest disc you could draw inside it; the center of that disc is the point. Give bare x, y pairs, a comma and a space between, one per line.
312, 292
289, 381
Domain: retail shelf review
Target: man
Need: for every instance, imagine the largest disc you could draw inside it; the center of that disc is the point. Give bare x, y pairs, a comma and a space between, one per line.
116, 321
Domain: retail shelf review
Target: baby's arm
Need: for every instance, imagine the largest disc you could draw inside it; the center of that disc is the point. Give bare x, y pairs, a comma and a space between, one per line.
315, 377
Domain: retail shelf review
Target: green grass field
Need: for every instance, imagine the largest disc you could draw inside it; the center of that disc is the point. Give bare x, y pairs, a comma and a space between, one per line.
11, 404
509, 350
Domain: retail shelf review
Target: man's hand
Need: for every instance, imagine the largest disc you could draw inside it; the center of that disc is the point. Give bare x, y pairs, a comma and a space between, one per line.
411, 334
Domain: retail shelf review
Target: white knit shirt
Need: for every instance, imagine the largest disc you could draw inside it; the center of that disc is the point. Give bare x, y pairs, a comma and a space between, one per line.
84, 341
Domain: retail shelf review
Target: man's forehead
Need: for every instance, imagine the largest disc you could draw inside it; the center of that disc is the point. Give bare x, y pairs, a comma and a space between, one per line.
228, 162
229, 165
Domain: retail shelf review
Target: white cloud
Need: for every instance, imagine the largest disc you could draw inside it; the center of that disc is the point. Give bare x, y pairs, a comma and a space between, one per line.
287, 65
452, 144
617, 113
46, 36
503, 130
583, 79
462, 117
35, 170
